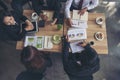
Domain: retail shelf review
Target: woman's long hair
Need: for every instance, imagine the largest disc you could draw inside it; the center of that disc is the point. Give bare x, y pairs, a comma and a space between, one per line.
32, 58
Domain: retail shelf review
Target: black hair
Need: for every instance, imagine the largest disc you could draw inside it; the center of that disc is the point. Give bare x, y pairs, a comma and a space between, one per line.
32, 58
4, 13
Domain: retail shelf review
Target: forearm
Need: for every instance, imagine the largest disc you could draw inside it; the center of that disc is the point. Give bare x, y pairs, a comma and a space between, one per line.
65, 50
67, 8
67, 13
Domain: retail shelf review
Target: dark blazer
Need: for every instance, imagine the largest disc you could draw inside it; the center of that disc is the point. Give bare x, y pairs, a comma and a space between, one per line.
28, 75
89, 61
3, 5
13, 32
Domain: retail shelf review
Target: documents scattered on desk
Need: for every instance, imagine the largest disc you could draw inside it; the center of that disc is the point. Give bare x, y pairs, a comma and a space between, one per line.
75, 48
40, 42
77, 16
79, 23
76, 34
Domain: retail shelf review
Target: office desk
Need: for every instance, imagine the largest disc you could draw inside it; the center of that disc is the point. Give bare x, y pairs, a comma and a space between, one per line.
100, 46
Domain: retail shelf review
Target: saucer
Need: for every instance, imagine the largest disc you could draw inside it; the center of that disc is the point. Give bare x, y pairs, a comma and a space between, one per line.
56, 39
99, 36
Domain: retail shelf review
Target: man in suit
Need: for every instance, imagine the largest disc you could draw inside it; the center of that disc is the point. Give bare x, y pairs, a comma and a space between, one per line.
80, 65
38, 6
81, 5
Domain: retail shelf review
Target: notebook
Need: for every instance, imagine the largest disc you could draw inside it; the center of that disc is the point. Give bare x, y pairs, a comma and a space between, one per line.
83, 17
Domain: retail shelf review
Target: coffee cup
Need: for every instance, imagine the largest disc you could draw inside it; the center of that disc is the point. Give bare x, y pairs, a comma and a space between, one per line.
34, 16
99, 20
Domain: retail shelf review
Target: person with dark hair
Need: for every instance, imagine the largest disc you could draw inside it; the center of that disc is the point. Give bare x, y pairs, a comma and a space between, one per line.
38, 6
10, 28
2, 4
81, 5
36, 63
80, 65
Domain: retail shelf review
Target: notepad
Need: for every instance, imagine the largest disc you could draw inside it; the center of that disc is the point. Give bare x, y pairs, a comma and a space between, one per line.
83, 17
40, 42
76, 34
75, 48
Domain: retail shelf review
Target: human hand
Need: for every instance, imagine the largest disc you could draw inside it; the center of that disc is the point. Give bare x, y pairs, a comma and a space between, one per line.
29, 27
53, 23
69, 22
82, 44
81, 12
28, 23
44, 17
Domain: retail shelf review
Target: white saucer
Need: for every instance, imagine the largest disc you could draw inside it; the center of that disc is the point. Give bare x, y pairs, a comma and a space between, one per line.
99, 36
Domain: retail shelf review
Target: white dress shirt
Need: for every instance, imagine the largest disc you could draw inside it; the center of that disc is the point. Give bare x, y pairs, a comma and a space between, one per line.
75, 3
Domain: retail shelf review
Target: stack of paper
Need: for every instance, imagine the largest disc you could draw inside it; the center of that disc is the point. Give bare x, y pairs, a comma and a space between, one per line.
79, 24
78, 30
39, 42
76, 34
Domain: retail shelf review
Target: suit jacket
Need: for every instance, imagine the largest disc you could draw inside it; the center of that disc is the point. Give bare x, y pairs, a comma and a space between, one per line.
28, 75
13, 32
89, 61
3, 5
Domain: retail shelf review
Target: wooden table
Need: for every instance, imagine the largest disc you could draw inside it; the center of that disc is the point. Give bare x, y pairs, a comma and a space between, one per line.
100, 46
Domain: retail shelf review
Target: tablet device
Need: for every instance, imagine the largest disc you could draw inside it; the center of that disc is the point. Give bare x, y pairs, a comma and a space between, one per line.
35, 25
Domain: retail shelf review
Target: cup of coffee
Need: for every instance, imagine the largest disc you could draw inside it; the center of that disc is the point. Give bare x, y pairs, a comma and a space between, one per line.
34, 16
99, 20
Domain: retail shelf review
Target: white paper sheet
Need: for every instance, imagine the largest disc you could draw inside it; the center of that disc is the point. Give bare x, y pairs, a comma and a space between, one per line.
83, 17
75, 48
79, 24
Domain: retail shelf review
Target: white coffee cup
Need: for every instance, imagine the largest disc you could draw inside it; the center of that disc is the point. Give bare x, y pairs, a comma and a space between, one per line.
34, 16
99, 20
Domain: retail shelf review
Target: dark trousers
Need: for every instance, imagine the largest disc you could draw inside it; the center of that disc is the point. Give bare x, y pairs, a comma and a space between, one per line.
81, 78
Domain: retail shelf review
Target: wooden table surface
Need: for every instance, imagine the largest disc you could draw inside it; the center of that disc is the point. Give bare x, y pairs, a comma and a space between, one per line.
100, 46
